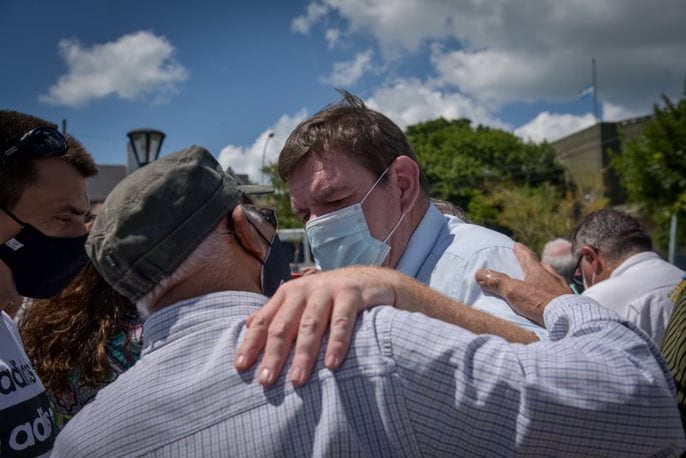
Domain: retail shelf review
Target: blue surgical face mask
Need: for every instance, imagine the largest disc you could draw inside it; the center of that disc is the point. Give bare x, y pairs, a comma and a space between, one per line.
342, 238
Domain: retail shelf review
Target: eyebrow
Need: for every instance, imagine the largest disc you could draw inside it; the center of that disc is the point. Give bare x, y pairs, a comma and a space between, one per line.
73, 210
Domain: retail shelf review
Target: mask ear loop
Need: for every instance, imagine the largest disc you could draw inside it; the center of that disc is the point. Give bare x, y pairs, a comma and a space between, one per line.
374, 185
370, 191
394, 228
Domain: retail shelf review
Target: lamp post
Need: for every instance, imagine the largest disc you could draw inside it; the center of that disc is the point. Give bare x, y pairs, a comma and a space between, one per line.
145, 145
264, 151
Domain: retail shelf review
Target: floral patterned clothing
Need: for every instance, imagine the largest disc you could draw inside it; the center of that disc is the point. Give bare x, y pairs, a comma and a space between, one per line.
123, 350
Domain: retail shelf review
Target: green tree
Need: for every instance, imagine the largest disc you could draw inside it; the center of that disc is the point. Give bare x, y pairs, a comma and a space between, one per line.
652, 167
537, 214
461, 161
513, 186
280, 200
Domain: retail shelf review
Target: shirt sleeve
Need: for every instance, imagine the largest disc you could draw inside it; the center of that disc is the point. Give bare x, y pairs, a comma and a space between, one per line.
596, 387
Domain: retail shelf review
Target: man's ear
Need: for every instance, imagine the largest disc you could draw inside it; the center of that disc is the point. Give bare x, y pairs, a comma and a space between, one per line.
405, 173
593, 258
247, 235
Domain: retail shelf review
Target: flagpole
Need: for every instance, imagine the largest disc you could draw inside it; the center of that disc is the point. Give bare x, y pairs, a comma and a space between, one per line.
595, 90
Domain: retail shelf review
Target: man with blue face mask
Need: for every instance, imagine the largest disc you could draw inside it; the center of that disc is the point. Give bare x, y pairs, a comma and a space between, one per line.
355, 182
43, 211
342, 238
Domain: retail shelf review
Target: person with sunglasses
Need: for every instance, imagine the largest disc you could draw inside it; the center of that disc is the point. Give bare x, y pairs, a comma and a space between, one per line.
411, 385
620, 270
43, 211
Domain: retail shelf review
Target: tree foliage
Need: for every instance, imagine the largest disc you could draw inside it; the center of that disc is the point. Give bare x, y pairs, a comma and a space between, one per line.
537, 214
503, 182
652, 167
280, 200
461, 161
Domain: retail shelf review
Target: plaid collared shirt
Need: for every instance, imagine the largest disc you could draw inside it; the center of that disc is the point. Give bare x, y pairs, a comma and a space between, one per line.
410, 386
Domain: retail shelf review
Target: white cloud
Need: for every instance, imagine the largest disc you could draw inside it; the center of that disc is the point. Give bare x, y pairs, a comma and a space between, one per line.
315, 12
345, 74
497, 77
332, 36
248, 159
408, 102
133, 66
501, 51
553, 126
398, 25
614, 113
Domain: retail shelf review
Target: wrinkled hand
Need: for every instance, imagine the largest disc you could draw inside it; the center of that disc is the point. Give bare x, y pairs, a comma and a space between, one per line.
304, 307
527, 297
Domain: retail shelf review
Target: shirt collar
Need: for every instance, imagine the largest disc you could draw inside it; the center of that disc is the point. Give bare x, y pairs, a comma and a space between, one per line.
172, 322
633, 260
421, 243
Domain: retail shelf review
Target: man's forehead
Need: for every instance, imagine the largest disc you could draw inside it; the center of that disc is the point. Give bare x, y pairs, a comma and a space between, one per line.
51, 204
327, 176
57, 188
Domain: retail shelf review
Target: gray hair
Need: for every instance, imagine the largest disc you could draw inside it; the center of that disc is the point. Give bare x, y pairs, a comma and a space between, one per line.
199, 257
613, 233
558, 253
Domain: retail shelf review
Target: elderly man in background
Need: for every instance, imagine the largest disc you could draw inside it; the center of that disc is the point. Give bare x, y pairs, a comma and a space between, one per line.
621, 271
558, 254
411, 385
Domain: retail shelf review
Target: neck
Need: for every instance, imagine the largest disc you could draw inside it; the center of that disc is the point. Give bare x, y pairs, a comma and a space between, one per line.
407, 228
8, 227
213, 277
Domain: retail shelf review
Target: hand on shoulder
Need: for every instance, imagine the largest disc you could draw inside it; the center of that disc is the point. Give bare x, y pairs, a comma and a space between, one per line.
530, 296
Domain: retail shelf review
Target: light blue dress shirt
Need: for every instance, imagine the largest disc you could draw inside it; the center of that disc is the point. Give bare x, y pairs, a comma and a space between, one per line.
410, 386
444, 252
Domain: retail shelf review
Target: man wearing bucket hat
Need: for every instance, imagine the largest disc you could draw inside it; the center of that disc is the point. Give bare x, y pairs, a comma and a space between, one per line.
181, 238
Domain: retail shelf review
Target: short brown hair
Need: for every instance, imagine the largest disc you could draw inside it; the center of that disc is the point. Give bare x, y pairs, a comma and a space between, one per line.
18, 173
348, 127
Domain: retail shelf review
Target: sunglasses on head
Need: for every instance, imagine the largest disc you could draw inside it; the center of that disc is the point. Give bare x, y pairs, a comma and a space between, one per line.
39, 142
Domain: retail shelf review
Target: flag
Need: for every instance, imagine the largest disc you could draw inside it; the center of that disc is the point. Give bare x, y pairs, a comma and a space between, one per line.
585, 92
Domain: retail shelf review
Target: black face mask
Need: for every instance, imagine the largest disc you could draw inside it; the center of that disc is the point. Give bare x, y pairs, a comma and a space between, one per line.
276, 268
42, 265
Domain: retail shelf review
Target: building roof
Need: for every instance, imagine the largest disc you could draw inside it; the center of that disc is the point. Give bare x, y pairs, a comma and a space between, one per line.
110, 175
102, 184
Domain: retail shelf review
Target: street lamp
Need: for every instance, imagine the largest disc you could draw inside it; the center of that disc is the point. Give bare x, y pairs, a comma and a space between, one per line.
145, 144
264, 151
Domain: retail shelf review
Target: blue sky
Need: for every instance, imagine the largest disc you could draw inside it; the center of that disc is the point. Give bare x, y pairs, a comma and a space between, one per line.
225, 74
